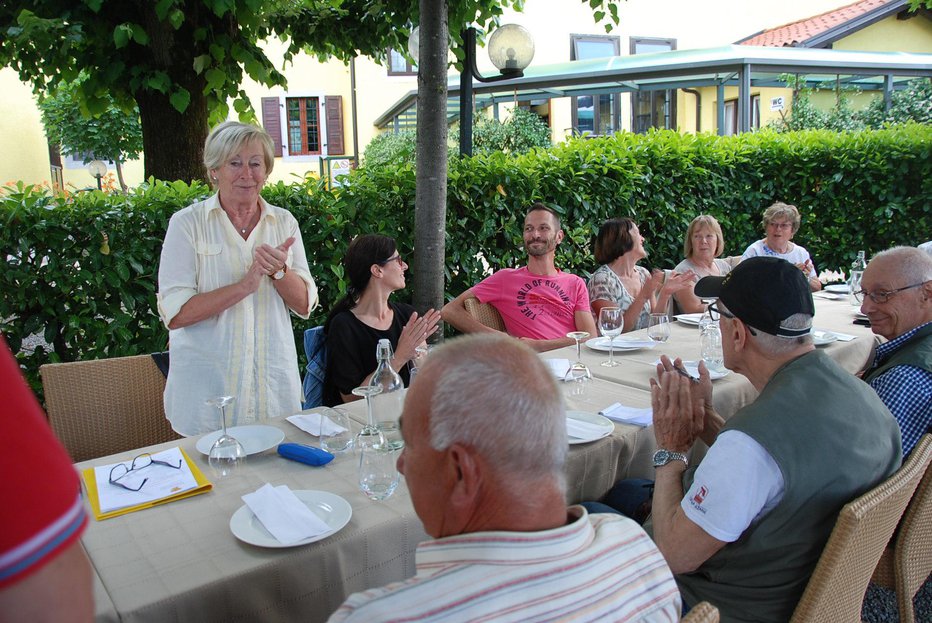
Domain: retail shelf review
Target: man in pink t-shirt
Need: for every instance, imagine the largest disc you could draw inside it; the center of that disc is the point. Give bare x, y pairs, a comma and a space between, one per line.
538, 303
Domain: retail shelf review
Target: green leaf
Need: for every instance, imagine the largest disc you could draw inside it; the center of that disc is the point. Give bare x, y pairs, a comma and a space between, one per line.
159, 81
121, 35
216, 78
180, 99
200, 62
176, 18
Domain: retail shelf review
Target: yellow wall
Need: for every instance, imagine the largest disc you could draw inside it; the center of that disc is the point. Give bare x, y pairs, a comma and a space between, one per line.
551, 22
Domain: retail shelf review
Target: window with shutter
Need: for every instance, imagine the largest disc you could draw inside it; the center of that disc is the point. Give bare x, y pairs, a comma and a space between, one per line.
303, 125
334, 107
272, 122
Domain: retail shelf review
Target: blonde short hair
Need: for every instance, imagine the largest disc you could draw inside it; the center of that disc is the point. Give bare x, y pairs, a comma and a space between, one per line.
228, 137
781, 210
703, 221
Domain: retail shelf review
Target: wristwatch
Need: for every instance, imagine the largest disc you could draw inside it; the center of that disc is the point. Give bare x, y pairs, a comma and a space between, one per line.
662, 457
281, 273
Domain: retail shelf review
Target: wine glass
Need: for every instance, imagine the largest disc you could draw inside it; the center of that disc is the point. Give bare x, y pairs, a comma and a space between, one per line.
227, 454
370, 435
378, 473
659, 328
611, 324
578, 376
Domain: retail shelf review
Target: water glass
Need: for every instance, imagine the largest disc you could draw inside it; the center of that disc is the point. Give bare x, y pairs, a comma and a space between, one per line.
659, 328
335, 432
378, 473
226, 454
710, 347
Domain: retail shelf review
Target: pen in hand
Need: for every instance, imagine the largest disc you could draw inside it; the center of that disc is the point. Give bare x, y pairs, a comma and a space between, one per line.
686, 374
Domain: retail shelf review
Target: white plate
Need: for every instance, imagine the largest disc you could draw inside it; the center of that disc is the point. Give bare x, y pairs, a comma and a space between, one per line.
621, 344
821, 338
693, 368
254, 437
591, 418
692, 319
837, 288
334, 510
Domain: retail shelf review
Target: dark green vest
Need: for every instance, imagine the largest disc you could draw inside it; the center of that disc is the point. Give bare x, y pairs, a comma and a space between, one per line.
833, 439
917, 352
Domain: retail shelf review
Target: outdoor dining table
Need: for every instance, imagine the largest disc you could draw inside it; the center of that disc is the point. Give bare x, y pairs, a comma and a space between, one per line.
180, 561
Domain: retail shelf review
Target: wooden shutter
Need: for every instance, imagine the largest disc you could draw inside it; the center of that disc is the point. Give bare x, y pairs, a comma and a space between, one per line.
272, 122
334, 107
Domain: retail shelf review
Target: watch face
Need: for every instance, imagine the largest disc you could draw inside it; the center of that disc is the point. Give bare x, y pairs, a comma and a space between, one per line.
661, 457
279, 275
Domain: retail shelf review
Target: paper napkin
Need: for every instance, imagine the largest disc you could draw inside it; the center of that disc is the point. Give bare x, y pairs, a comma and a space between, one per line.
559, 367
584, 430
310, 423
628, 415
283, 514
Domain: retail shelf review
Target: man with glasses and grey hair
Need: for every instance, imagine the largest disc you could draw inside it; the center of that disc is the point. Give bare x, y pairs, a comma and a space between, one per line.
485, 444
745, 529
896, 295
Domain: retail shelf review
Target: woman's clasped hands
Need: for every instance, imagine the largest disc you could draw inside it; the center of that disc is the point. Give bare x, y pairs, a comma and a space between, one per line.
415, 334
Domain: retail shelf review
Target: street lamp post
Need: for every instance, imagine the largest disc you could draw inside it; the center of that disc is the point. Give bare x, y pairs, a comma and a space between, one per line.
511, 50
97, 168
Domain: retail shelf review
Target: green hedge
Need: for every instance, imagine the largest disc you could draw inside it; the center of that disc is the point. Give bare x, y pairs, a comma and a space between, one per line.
867, 190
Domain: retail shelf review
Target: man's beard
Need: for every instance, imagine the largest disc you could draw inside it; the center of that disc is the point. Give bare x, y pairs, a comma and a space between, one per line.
547, 247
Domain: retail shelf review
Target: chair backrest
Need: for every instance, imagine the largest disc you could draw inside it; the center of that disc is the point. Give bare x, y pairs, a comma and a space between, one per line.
106, 406
316, 351
836, 589
703, 612
485, 313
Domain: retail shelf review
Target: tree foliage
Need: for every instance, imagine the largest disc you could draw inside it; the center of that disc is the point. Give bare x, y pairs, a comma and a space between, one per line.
181, 61
113, 134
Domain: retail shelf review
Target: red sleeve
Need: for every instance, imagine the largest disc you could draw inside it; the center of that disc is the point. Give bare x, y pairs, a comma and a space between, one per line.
43, 513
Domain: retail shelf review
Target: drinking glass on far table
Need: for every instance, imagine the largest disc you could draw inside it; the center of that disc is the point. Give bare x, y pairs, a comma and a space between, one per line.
378, 474
578, 377
227, 453
659, 328
611, 324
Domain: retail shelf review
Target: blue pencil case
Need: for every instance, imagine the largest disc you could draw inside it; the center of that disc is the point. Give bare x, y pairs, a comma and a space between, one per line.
304, 454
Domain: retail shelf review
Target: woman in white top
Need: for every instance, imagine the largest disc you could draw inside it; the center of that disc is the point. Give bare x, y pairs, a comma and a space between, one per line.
704, 243
619, 282
232, 269
780, 223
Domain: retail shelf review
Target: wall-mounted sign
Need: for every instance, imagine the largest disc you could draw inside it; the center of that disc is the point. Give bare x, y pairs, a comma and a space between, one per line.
776, 103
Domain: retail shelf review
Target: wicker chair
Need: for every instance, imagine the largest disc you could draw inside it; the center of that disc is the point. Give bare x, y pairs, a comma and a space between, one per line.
105, 406
484, 313
704, 612
907, 561
836, 589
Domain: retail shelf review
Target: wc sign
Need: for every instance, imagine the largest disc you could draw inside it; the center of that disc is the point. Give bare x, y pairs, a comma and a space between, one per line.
776, 103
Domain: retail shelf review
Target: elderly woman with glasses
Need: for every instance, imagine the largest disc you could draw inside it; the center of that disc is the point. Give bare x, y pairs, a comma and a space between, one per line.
704, 243
233, 270
364, 316
780, 223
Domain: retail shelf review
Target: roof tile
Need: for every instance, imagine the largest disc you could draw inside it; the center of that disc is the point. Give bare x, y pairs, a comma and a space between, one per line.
794, 33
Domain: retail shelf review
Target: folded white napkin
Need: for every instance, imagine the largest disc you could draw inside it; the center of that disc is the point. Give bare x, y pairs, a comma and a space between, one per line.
284, 515
559, 367
629, 415
832, 296
584, 430
844, 337
310, 423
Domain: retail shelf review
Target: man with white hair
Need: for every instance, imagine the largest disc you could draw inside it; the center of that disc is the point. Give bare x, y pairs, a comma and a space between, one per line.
485, 444
745, 529
896, 295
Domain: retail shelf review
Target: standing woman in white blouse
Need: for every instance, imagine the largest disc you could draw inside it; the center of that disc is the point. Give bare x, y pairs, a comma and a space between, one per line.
232, 269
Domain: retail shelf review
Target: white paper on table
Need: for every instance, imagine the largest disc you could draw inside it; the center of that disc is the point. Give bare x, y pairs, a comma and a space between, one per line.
283, 514
629, 415
583, 430
559, 367
843, 337
832, 296
310, 423
161, 481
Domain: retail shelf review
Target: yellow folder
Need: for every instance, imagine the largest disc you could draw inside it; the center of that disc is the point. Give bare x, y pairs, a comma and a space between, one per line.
90, 483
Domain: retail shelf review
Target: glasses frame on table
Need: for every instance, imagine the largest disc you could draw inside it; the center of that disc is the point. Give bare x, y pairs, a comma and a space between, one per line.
133, 467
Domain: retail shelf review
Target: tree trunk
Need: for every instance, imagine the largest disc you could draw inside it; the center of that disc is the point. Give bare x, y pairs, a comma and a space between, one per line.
119, 171
173, 142
430, 211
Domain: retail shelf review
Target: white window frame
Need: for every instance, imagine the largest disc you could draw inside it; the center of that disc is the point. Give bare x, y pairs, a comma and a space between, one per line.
283, 123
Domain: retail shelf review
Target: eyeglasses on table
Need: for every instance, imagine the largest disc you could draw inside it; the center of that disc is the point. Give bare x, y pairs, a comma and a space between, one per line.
142, 461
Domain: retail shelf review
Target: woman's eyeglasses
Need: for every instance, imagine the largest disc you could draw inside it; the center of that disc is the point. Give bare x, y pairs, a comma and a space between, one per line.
394, 258
143, 460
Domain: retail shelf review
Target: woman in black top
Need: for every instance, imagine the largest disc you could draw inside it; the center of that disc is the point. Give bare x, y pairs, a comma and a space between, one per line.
365, 315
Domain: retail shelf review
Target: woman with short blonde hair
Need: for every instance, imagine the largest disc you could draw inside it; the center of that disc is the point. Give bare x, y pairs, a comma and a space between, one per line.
704, 243
781, 222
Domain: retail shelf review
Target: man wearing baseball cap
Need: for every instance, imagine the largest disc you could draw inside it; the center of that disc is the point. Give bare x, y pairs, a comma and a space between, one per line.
745, 529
